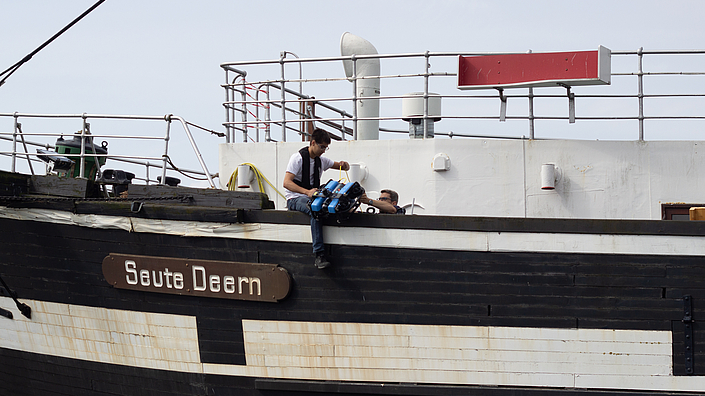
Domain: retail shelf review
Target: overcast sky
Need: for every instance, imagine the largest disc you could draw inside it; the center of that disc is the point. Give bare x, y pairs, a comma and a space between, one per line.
162, 56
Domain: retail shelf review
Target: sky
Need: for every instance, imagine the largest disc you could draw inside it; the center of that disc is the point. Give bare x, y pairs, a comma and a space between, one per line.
162, 57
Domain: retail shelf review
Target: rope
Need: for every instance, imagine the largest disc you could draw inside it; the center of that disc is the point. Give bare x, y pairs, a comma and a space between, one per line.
174, 167
232, 183
340, 175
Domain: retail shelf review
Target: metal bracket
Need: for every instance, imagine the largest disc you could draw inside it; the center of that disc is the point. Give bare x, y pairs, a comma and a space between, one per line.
688, 326
5, 313
240, 215
502, 105
571, 104
24, 308
136, 207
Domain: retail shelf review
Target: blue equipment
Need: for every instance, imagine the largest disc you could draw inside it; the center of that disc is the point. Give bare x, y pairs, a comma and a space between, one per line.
319, 197
336, 199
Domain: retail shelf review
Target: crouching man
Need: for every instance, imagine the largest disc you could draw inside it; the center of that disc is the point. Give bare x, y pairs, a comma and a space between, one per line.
387, 202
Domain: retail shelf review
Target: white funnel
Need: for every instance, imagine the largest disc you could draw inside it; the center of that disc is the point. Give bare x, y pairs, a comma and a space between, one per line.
351, 44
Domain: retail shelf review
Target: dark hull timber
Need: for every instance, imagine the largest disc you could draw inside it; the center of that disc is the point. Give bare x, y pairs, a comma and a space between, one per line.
52, 375
377, 294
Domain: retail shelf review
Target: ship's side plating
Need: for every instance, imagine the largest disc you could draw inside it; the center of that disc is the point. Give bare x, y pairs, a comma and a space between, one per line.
503, 178
456, 318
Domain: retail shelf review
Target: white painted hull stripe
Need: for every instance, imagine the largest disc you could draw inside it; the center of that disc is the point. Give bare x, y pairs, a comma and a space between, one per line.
480, 241
462, 355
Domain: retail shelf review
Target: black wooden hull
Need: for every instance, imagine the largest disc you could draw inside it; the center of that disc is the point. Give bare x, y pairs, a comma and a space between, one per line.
43, 375
61, 263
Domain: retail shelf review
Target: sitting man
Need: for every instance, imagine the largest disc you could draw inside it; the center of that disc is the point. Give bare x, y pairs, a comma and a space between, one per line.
387, 202
303, 178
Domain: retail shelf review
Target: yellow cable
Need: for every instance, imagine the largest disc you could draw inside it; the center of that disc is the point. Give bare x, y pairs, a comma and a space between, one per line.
340, 175
232, 183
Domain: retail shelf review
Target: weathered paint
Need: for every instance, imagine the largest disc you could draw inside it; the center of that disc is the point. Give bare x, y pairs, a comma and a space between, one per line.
489, 177
582, 358
482, 241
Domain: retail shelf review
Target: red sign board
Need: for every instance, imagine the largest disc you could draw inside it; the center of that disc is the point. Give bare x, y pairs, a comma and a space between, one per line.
535, 70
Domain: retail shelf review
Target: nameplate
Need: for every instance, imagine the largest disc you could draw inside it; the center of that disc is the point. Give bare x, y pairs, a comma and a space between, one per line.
201, 278
535, 69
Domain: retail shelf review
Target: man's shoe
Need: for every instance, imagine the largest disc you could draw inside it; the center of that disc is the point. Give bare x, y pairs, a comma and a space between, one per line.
321, 261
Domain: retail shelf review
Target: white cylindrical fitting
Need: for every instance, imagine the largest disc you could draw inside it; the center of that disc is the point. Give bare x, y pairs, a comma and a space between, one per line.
358, 172
244, 176
412, 105
548, 176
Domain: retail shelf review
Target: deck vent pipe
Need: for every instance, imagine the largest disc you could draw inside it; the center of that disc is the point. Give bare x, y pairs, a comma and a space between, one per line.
412, 109
367, 90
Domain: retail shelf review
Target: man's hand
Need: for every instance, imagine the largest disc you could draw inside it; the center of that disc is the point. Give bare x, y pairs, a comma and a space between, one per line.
342, 165
291, 186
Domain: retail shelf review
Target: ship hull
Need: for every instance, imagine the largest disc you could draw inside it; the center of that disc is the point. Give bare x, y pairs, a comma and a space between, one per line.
387, 317
35, 374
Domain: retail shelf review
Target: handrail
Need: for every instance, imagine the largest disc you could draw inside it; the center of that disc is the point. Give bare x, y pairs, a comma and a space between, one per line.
342, 108
257, 103
85, 134
195, 149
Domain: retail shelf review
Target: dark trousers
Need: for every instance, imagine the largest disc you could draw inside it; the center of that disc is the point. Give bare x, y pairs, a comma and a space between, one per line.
301, 204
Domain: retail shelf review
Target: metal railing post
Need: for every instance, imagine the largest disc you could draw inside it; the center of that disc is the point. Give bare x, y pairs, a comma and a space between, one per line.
283, 96
243, 106
14, 144
267, 119
353, 58
531, 108
531, 113
425, 95
26, 150
195, 149
301, 75
165, 157
94, 152
640, 79
228, 127
230, 106
258, 104
301, 123
342, 125
82, 168
257, 119
243, 116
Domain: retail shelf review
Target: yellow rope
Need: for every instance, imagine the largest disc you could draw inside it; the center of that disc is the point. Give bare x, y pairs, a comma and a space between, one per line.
340, 175
232, 183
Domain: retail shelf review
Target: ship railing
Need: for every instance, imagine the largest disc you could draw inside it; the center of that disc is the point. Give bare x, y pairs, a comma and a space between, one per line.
256, 107
256, 102
19, 137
